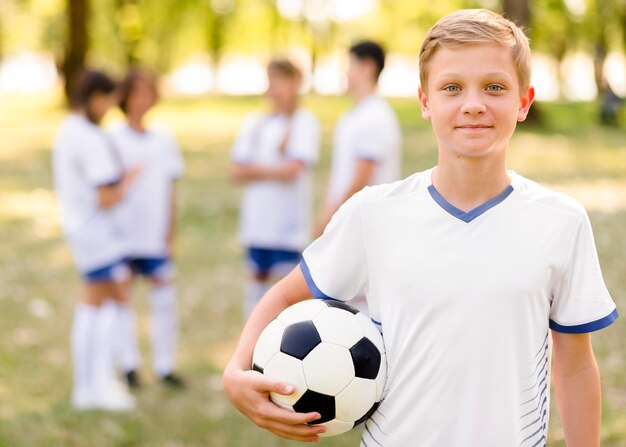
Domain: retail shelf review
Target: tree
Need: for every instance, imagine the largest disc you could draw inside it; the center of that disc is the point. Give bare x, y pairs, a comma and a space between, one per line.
77, 42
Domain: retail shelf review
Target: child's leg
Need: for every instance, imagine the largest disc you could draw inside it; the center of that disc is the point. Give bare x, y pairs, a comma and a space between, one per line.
82, 344
164, 327
127, 348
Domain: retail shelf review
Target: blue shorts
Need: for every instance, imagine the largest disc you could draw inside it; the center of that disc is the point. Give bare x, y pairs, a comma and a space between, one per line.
261, 260
158, 269
115, 272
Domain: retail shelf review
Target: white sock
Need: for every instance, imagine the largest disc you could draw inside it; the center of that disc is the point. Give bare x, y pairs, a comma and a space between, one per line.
104, 345
82, 346
127, 348
254, 292
164, 327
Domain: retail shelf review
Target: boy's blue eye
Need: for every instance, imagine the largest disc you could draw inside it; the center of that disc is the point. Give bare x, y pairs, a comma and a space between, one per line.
494, 88
452, 88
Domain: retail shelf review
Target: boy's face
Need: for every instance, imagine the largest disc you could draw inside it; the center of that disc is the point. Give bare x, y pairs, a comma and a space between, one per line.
360, 73
142, 97
473, 99
282, 89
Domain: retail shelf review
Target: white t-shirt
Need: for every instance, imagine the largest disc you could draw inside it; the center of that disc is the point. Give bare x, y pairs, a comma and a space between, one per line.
274, 214
368, 131
83, 161
465, 302
144, 214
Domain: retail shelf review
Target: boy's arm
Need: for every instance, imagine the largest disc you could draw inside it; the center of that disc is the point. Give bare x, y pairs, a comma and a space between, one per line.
286, 172
577, 385
111, 195
171, 229
249, 390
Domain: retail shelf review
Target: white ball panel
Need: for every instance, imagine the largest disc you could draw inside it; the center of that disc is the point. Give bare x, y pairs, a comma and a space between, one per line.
328, 369
336, 427
371, 331
338, 326
302, 311
268, 343
354, 401
289, 370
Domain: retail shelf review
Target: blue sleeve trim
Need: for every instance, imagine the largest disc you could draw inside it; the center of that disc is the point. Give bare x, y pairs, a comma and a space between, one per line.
315, 291
586, 327
378, 323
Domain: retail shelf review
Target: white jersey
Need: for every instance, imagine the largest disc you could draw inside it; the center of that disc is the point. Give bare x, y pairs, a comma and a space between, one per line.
83, 161
145, 213
274, 214
368, 131
465, 301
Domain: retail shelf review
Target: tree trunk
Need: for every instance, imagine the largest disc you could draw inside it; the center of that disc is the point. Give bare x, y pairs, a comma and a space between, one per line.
519, 12
76, 44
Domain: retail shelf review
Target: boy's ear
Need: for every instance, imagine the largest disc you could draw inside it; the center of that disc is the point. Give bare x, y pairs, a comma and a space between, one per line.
524, 104
424, 103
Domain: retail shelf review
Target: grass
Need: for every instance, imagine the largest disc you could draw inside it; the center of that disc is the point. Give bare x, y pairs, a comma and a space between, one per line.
39, 286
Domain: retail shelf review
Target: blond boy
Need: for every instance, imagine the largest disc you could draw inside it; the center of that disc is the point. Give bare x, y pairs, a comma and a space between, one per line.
472, 271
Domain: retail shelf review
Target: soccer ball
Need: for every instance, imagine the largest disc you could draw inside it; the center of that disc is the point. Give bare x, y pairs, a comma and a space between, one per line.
334, 357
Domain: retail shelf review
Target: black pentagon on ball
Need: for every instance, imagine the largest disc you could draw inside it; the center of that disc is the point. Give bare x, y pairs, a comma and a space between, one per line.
366, 359
341, 305
367, 415
256, 367
318, 402
299, 339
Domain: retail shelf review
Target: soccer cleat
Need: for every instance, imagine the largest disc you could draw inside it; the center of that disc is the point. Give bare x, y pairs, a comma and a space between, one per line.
132, 379
173, 381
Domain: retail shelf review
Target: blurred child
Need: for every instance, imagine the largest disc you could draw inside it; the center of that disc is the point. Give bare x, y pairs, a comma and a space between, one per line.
367, 145
147, 220
90, 182
273, 155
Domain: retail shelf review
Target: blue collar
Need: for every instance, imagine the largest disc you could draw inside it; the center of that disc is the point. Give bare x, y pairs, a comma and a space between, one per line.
473, 214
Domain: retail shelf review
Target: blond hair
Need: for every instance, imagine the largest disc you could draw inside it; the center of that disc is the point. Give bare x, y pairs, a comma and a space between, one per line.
286, 68
477, 26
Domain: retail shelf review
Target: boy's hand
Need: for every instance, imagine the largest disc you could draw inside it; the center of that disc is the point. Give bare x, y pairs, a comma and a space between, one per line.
249, 391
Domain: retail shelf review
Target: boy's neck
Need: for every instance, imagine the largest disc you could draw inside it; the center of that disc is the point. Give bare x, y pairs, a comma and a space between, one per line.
468, 183
364, 91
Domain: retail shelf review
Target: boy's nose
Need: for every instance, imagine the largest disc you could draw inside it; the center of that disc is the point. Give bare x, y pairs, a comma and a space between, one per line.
473, 105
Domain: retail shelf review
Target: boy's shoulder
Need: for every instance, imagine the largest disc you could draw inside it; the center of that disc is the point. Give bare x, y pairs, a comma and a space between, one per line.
535, 194
398, 189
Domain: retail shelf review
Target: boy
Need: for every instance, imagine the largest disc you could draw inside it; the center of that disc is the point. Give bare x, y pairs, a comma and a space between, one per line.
465, 266
367, 140
147, 220
273, 155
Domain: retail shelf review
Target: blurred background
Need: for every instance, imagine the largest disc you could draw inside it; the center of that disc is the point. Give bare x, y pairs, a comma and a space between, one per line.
211, 55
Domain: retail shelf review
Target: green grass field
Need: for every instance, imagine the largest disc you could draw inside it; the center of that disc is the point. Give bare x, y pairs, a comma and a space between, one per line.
39, 286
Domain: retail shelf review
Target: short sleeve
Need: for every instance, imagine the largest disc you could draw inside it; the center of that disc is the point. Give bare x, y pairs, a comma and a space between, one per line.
580, 300
335, 265
372, 142
176, 163
242, 149
102, 165
304, 139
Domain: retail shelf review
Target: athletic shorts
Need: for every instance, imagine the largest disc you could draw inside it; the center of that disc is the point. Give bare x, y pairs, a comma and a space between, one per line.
115, 272
261, 260
158, 269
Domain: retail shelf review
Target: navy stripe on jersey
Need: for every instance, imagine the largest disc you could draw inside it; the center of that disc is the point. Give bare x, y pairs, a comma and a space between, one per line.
534, 406
586, 327
476, 212
315, 291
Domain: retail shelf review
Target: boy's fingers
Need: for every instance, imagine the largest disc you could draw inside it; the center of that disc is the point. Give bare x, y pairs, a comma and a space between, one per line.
267, 385
274, 412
